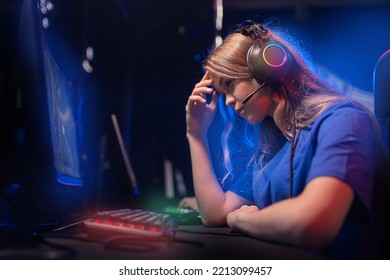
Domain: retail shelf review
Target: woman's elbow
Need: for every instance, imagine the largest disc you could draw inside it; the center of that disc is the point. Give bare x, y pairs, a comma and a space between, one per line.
315, 236
213, 220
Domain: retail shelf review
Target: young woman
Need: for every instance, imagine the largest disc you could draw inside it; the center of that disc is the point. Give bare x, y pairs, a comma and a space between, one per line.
314, 152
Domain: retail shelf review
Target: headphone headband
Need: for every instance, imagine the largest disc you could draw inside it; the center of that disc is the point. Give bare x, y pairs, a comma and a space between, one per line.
253, 30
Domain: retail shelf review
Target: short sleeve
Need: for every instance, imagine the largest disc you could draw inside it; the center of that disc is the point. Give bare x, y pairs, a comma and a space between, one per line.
345, 149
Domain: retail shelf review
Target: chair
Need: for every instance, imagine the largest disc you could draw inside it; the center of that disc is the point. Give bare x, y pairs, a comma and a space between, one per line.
382, 113
382, 95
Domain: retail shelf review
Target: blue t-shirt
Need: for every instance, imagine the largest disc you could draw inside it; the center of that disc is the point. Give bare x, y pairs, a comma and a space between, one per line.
339, 144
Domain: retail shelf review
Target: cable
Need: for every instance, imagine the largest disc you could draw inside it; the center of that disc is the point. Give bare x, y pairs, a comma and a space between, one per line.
70, 225
294, 143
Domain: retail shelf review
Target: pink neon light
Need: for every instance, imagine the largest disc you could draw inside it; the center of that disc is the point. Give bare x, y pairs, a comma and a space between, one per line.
284, 55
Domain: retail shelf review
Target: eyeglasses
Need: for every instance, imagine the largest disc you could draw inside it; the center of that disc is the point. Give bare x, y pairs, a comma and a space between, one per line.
249, 96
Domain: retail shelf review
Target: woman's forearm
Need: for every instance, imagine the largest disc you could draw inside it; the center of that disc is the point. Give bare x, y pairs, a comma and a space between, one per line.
211, 199
311, 219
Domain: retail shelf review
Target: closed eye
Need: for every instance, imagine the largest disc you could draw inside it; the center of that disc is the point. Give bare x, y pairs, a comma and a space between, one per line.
226, 83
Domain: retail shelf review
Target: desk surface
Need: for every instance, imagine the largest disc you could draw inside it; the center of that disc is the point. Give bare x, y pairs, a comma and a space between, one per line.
190, 243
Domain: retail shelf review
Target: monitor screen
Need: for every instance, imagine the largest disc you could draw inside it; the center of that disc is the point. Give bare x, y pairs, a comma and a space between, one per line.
54, 92
63, 128
67, 110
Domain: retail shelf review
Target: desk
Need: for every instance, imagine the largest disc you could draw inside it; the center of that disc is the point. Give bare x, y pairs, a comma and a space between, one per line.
194, 242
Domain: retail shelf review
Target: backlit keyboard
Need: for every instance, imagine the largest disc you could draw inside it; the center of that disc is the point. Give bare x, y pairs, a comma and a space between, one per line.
135, 222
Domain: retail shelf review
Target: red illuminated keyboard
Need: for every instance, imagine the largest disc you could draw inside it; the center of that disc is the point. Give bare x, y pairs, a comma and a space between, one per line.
135, 222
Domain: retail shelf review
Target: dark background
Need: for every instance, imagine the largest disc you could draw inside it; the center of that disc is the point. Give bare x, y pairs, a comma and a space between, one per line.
147, 58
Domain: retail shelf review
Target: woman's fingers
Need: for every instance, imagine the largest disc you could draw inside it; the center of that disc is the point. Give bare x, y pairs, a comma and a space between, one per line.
206, 76
197, 97
203, 87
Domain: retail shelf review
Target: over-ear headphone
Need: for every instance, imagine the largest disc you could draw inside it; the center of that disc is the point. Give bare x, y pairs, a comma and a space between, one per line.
267, 59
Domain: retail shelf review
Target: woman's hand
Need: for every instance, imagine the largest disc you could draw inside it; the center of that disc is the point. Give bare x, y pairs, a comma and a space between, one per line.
233, 218
199, 114
189, 202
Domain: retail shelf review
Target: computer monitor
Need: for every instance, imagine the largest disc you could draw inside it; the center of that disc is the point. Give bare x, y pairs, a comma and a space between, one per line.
69, 129
63, 129
54, 89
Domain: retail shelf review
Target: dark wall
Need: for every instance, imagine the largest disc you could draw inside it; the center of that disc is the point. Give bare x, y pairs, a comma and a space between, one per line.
347, 40
10, 117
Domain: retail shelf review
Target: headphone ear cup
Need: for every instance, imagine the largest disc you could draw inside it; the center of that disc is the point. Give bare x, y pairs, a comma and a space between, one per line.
269, 62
